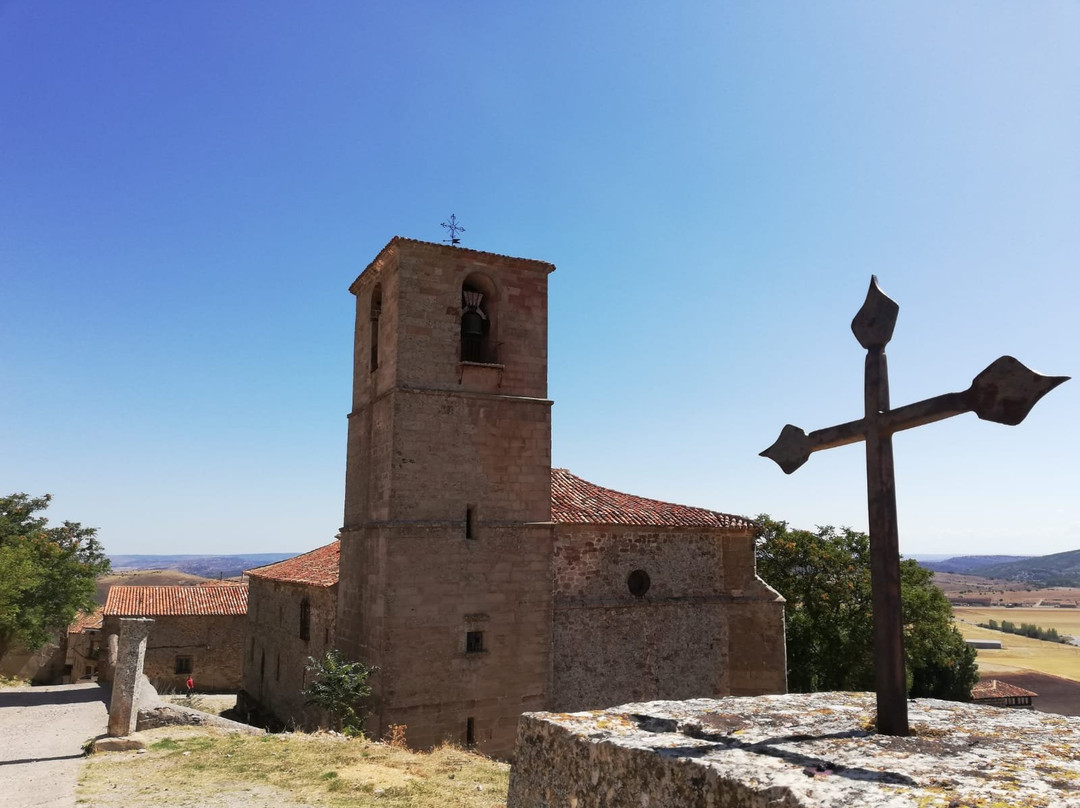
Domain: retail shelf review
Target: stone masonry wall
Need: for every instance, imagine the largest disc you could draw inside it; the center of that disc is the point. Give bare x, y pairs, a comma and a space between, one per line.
440, 587
452, 450
276, 657
214, 642
674, 641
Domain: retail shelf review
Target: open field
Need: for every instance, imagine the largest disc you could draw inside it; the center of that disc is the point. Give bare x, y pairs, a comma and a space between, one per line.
192, 766
1066, 621
957, 586
1022, 653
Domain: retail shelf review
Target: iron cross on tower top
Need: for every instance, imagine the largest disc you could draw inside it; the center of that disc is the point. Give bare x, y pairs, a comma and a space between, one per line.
1004, 393
454, 228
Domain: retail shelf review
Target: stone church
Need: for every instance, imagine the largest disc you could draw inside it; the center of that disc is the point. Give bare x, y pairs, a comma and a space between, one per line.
480, 581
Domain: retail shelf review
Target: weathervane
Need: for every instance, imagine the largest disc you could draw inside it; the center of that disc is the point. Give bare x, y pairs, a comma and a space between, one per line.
1004, 393
454, 229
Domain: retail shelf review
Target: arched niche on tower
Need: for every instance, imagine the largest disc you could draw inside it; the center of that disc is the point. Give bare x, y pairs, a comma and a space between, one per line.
376, 313
479, 319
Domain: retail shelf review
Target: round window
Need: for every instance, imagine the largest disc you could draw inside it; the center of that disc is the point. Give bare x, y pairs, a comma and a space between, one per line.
638, 583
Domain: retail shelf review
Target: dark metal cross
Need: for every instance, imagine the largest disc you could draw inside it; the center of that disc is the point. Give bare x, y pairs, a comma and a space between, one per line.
1004, 393
454, 229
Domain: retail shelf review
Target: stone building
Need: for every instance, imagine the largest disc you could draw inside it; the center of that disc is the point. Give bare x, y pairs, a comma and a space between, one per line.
198, 631
481, 582
83, 647
292, 612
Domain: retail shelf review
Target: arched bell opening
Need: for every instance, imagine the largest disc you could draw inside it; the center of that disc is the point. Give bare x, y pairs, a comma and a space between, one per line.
478, 319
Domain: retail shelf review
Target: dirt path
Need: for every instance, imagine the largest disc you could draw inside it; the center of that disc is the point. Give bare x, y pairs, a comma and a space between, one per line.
42, 730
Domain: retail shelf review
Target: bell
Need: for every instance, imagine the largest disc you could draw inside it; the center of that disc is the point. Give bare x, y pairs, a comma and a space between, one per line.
472, 324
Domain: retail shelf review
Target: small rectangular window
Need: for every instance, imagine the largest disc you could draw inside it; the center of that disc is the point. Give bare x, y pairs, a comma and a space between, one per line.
470, 522
474, 642
470, 731
184, 664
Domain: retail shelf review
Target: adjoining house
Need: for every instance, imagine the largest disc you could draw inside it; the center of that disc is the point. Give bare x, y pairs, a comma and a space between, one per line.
292, 611
83, 647
479, 580
993, 693
198, 631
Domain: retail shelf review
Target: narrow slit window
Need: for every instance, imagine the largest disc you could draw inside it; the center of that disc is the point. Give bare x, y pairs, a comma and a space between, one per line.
470, 731
305, 619
376, 312
474, 642
470, 522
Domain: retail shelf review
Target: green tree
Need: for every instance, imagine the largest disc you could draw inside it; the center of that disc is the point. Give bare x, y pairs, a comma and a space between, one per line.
340, 687
47, 574
825, 578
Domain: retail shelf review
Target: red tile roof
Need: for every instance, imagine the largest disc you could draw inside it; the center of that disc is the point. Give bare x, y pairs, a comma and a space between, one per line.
317, 568
993, 689
85, 622
577, 501
151, 601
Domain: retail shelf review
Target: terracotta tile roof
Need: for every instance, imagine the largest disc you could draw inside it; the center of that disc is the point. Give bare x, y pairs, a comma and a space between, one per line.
577, 501
993, 689
317, 568
150, 601
85, 622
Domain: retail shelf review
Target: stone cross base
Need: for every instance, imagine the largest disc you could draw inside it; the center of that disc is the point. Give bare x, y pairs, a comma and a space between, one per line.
814, 750
130, 655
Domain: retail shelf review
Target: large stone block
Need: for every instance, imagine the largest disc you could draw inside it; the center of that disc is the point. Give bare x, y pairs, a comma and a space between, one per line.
796, 751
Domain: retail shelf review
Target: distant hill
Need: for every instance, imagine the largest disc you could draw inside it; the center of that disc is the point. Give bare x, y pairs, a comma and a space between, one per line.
206, 566
1059, 569
969, 565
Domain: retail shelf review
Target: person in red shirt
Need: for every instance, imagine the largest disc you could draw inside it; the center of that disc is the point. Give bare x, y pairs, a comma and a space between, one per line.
190, 685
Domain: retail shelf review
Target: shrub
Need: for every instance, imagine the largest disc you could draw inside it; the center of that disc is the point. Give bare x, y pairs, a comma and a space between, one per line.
339, 688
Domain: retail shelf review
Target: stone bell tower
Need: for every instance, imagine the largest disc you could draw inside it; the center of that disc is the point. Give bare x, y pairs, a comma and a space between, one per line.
445, 579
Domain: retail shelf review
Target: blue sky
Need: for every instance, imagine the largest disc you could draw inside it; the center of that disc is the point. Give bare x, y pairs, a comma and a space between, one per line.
190, 188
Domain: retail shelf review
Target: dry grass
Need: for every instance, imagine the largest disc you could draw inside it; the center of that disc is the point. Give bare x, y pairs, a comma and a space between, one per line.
1022, 653
201, 768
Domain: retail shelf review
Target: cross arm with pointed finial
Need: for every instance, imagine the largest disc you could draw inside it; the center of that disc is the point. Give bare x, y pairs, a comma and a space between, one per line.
1003, 393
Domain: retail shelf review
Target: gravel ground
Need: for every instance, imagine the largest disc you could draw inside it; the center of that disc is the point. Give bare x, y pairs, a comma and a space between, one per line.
42, 731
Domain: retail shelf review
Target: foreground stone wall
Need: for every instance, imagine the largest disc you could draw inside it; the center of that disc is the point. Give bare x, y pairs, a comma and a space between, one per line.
797, 751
